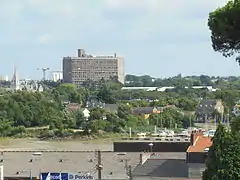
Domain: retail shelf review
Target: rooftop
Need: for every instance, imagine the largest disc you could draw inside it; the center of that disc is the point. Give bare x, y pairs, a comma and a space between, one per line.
175, 168
200, 144
19, 164
169, 165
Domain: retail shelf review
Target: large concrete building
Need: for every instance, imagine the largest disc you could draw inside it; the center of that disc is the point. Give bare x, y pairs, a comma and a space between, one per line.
85, 67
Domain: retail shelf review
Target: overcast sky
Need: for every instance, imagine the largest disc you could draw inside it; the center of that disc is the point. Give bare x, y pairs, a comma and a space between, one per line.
157, 37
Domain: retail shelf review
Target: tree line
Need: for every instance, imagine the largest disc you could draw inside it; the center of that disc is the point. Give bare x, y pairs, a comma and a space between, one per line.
179, 81
22, 113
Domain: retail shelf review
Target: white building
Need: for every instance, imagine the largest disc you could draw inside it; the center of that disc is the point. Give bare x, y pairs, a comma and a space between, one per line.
3, 78
57, 75
27, 84
86, 113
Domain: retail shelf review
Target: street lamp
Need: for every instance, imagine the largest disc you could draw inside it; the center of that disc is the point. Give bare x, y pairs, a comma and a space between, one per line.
151, 146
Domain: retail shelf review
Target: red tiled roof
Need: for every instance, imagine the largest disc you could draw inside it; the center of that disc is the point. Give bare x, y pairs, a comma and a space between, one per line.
200, 144
73, 106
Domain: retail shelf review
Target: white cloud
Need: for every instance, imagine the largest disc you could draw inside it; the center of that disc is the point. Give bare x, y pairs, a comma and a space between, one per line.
45, 39
73, 8
67, 19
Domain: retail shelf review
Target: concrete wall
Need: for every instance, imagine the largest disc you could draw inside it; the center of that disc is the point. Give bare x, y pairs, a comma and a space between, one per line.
67, 69
196, 157
144, 146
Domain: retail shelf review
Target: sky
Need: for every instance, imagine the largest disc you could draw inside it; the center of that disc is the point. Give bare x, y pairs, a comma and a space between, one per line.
161, 38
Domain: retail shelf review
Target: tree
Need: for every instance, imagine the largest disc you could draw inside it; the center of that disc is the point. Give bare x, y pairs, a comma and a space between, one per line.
187, 104
229, 97
235, 125
223, 158
69, 92
105, 94
224, 24
96, 114
80, 119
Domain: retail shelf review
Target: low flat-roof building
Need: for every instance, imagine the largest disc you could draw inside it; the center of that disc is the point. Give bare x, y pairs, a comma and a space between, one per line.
19, 164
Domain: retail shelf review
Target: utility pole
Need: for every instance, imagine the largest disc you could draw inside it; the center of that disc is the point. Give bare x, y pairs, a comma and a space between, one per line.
130, 172
190, 122
99, 164
126, 165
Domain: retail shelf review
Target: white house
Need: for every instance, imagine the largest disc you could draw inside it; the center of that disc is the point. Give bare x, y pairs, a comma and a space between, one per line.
86, 113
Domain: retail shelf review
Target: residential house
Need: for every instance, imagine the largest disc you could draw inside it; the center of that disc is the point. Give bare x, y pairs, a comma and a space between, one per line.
94, 103
209, 109
86, 113
73, 107
198, 149
111, 108
146, 111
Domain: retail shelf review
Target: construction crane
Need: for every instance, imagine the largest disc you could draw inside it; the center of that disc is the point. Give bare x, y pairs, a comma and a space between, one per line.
43, 72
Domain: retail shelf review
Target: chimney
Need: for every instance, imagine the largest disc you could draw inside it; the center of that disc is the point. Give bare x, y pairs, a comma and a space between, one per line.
194, 137
141, 159
81, 53
144, 157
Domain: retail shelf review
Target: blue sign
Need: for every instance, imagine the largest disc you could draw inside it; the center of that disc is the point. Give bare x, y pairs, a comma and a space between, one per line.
65, 176
54, 176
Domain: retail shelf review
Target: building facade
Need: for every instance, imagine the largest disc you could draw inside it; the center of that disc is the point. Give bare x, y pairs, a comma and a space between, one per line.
209, 109
57, 75
85, 67
3, 78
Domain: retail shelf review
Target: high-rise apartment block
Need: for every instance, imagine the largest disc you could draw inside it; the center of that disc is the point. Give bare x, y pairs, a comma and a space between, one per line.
85, 67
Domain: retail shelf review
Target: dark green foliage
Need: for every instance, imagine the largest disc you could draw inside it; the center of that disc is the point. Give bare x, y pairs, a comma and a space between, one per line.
224, 24
169, 118
223, 157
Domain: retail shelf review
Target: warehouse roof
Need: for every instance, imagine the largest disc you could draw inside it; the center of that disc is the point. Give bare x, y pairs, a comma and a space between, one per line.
20, 164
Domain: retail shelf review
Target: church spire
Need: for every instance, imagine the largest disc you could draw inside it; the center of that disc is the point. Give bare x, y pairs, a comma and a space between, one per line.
15, 79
